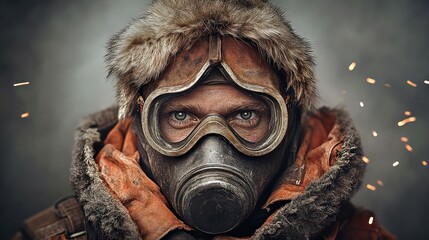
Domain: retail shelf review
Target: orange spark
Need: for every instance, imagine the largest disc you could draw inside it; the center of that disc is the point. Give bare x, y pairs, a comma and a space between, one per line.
426, 82
365, 159
371, 80
371, 220
374, 133
424, 163
370, 187
409, 148
20, 84
379, 182
404, 139
352, 66
408, 113
411, 83
361, 104
395, 163
407, 120
24, 115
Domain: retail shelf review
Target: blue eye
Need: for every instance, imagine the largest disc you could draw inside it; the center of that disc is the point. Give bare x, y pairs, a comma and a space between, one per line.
180, 116
246, 115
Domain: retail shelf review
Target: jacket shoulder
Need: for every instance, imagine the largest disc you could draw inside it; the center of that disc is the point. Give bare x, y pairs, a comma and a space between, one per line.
64, 220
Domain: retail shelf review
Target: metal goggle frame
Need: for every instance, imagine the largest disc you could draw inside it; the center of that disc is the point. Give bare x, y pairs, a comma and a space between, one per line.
244, 67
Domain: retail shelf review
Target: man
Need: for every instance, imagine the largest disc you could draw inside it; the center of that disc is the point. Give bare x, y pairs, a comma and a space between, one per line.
217, 137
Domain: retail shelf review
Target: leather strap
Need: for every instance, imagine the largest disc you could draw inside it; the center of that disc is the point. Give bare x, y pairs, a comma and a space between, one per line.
64, 219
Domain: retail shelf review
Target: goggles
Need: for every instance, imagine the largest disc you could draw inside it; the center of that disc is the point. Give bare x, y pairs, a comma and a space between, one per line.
243, 67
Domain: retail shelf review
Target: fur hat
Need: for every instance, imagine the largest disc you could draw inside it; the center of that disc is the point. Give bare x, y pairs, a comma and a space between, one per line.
141, 51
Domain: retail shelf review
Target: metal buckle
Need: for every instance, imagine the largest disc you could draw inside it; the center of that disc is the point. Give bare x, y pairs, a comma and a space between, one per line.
74, 235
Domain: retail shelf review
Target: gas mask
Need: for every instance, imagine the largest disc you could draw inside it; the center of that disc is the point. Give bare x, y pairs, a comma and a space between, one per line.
214, 170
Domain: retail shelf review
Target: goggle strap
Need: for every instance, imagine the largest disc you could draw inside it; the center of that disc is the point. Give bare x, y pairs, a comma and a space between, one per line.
215, 49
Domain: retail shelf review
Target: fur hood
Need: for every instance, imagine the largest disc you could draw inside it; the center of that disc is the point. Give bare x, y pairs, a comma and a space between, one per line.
303, 217
141, 51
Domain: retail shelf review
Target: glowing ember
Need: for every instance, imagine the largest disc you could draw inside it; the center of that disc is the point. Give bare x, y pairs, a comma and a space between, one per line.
424, 163
404, 139
409, 148
426, 82
21, 84
379, 182
395, 163
361, 104
374, 133
24, 115
352, 66
387, 85
371, 220
405, 121
408, 113
371, 80
365, 159
411, 83
370, 187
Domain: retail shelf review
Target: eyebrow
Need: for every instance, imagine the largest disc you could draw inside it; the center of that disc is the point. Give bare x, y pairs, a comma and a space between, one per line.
196, 109
169, 107
259, 106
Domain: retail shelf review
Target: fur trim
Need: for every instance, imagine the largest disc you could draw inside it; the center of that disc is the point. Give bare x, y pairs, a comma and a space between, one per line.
302, 218
140, 52
106, 217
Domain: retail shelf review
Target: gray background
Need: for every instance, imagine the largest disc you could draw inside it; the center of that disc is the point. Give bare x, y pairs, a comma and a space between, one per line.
59, 47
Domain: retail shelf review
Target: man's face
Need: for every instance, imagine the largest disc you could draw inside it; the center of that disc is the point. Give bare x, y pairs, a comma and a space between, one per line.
247, 115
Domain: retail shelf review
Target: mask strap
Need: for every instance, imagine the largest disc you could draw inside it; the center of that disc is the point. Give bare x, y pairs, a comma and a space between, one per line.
295, 170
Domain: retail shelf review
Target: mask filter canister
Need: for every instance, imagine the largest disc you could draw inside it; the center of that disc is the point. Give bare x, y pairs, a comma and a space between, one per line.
214, 199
